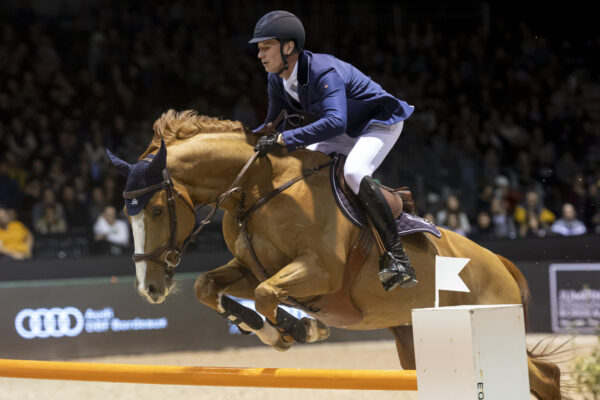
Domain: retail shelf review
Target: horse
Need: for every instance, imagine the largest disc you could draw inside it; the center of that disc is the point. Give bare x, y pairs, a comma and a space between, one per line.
290, 242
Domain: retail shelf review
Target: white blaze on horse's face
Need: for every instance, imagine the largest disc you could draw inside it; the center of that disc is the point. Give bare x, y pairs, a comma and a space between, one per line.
141, 267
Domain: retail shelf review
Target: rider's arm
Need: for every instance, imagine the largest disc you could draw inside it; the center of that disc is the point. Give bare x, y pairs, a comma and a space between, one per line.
332, 93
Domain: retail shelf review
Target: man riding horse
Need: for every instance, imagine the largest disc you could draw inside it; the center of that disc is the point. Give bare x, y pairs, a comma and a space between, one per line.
354, 117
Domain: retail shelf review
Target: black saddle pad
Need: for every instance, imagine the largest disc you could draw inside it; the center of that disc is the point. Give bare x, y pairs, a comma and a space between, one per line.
348, 203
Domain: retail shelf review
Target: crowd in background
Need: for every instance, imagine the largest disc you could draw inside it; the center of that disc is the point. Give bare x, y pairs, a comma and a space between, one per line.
504, 141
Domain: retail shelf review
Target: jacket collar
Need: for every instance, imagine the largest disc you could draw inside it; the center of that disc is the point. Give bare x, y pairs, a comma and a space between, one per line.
304, 68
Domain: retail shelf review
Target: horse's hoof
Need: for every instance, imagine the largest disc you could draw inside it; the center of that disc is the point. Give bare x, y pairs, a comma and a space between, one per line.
282, 345
315, 330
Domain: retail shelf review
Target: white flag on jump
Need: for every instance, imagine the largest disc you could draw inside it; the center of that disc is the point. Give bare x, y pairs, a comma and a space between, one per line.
446, 275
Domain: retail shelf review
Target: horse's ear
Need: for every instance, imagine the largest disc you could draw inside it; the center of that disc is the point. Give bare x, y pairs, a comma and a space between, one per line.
121, 165
159, 162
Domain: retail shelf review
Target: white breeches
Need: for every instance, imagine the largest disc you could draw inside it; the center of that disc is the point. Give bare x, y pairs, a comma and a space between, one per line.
364, 153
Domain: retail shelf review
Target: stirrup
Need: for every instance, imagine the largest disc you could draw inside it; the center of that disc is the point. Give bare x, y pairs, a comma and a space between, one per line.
391, 280
394, 272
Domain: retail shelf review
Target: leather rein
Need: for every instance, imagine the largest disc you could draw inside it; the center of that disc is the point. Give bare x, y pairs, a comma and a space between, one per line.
170, 254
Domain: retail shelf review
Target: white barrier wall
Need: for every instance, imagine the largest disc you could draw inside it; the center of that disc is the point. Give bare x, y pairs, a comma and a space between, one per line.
471, 352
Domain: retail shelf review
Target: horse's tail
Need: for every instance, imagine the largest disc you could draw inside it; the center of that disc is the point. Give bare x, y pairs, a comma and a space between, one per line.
521, 283
545, 373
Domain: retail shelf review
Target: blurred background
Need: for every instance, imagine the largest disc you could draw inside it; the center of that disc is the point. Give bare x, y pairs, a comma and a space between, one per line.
503, 146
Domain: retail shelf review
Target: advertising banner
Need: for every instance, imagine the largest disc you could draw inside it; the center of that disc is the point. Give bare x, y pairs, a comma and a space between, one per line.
62, 319
575, 298
86, 317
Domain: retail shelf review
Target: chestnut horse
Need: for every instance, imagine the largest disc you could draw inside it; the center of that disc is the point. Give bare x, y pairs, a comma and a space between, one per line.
293, 248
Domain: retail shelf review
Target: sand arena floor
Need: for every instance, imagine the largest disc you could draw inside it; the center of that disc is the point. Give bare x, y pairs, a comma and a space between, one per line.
354, 355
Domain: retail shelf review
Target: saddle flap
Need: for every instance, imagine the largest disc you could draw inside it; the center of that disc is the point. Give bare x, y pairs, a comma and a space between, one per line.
347, 201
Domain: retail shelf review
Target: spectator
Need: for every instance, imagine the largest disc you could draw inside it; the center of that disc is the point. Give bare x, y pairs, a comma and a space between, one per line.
16, 240
453, 207
533, 228
76, 212
110, 233
504, 226
483, 229
430, 217
568, 225
48, 199
453, 224
10, 194
98, 203
51, 221
533, 205
592, 204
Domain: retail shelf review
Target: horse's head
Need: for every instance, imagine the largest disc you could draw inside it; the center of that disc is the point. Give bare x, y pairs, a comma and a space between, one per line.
162, 219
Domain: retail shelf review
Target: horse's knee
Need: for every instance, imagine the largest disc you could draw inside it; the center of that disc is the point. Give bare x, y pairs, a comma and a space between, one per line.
206, 291
266, 298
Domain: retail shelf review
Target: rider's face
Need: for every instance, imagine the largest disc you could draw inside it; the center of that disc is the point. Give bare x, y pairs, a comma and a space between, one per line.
270, 56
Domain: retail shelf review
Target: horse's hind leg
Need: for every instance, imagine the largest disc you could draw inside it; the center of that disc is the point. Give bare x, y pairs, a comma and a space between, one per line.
405, 346
544, 379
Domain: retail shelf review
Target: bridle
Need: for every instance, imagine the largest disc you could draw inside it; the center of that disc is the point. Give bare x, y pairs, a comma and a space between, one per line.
169, 255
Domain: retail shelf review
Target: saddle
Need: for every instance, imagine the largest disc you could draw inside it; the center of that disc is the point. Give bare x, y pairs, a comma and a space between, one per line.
400, 202
338, 309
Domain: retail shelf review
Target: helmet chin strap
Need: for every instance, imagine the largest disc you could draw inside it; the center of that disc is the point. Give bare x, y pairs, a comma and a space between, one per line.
284, 58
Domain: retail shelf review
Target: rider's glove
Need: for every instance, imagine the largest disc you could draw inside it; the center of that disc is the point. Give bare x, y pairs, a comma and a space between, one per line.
269, 143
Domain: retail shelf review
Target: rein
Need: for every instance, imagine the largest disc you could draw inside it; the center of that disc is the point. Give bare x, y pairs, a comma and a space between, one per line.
171, 254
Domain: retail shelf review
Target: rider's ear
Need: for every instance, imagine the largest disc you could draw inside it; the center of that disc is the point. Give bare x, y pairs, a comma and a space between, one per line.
289, 47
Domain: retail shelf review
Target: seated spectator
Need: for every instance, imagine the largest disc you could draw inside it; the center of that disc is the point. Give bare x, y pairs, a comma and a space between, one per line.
453, 207
483, 229
76, 212
453, 224
16, 241
110, 233
533, 228
502, 221
98, 203
569, 225
51, 221
533, 205
430, 217
10, 194
48, 199
595, 223
591, 207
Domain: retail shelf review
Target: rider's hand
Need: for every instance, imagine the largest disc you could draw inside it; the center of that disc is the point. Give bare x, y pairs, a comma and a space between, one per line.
269, 143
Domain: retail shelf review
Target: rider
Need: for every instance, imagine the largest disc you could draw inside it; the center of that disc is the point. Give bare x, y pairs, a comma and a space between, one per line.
354, 117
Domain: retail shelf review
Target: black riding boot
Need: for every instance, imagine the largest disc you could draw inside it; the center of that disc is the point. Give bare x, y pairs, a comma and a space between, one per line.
394, 266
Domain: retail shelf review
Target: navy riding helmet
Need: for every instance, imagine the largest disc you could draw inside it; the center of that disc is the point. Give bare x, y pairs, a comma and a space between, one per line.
283, 26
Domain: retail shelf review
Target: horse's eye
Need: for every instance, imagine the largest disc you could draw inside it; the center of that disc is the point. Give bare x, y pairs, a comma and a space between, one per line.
157, 211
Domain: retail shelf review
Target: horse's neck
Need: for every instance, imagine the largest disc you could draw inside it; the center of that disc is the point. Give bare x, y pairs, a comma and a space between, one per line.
208, 165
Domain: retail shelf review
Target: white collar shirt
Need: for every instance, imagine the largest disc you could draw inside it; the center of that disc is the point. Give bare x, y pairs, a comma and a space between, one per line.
291, 84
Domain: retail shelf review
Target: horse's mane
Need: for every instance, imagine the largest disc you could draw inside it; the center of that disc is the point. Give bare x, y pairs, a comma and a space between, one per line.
174, 125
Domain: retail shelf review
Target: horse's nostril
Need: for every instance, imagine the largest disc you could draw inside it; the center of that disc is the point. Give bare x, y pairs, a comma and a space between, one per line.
152, 289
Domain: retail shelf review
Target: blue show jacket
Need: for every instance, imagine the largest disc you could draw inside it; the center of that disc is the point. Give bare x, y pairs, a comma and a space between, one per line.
343, 99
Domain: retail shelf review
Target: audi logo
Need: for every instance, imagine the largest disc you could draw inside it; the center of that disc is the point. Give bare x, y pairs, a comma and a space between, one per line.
44, 323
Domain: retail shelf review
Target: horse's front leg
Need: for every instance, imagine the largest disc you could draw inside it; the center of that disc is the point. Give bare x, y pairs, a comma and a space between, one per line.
303, 277
235, 279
